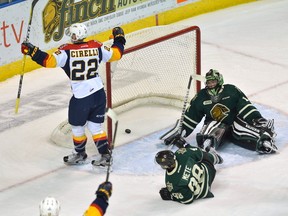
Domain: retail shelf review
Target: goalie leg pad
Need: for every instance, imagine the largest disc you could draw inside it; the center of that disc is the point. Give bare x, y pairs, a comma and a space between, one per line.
257, 137
212, 134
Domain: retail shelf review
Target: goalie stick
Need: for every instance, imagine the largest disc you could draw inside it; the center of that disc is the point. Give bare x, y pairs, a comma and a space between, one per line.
178, 126
112, 115
34, 2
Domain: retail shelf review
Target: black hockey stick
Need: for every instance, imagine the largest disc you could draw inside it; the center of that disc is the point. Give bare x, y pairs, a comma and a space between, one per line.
179, 123
34, 2
184, 105
112, 115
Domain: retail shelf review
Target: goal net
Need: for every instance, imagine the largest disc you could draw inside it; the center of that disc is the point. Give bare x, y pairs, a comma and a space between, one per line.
154, 69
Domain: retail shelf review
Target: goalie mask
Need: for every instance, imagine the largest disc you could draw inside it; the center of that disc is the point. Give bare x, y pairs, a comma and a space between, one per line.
166, 159
77, 32
49, 207
214, 82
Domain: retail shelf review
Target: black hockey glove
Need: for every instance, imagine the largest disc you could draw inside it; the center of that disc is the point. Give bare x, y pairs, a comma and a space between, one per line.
165, 194
176, 139
28, 48
119, 35
265, 125
104, 190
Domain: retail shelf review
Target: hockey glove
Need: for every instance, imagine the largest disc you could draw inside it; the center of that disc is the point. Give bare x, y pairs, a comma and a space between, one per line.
28, 48
104, 190
265, 144
177, 140
266, 126
165, 194
119, 35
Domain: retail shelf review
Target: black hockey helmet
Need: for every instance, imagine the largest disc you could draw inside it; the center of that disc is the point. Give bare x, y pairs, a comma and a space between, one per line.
166, 159
214, 82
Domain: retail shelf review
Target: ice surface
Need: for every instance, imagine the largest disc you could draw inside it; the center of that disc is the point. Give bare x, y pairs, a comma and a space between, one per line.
247, 43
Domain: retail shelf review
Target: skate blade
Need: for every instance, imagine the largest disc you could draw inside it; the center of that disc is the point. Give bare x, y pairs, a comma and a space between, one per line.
101, 169
76, 163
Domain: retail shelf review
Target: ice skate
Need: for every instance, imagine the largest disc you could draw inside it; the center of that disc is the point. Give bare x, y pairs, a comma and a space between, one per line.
75, 158
103, 161
218, 158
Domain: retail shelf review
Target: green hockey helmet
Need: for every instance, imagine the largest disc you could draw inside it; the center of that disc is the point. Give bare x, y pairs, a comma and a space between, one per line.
166, 159
214, 82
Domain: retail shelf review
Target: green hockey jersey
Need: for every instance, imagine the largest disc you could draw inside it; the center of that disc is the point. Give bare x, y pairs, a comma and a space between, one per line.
191, 178
231, 102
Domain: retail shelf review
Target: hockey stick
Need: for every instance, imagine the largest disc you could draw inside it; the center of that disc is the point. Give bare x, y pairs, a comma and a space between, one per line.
112, 115
184, 105
24, 57
179, 123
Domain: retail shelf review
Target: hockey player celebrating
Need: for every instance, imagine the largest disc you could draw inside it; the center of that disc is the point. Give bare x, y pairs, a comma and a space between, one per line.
80, 61
189, 175
228, 114
51, 207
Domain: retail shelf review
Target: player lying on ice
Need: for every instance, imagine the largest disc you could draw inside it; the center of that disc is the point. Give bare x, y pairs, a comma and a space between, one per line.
189, 175
80, 61
228, 115
51, 206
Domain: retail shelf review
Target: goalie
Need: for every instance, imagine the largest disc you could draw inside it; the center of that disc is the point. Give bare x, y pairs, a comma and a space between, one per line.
228, 115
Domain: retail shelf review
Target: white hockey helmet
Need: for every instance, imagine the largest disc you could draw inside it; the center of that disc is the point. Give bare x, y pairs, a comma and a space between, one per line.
77, 32
49, 207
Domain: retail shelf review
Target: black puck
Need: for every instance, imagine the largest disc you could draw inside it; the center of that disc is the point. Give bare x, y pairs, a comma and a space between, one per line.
128, 131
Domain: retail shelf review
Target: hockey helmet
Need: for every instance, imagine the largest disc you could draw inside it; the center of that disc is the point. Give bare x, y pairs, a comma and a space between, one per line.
49, 207
166, 159
77, 32
214, 81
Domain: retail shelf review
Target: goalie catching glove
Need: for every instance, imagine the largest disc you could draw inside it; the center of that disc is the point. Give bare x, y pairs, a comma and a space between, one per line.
265, 144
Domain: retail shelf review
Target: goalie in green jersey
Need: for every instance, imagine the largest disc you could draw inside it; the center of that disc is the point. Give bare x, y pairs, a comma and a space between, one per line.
190, 172
228, 114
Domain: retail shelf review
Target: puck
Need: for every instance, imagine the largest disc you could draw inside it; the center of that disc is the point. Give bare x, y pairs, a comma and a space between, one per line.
128, 131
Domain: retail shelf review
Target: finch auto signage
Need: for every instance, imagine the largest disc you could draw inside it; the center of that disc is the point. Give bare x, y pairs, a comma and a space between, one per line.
52, 17
61, 14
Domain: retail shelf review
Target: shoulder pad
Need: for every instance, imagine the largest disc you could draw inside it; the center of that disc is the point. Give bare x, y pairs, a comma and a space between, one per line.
94, 43
62, 47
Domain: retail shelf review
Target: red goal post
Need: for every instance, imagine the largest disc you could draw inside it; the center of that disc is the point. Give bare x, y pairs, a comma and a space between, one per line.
155, 68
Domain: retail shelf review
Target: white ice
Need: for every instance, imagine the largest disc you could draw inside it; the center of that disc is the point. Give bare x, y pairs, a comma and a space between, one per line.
247, 43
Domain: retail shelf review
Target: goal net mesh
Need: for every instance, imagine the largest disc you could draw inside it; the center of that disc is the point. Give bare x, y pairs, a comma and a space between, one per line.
154, 69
